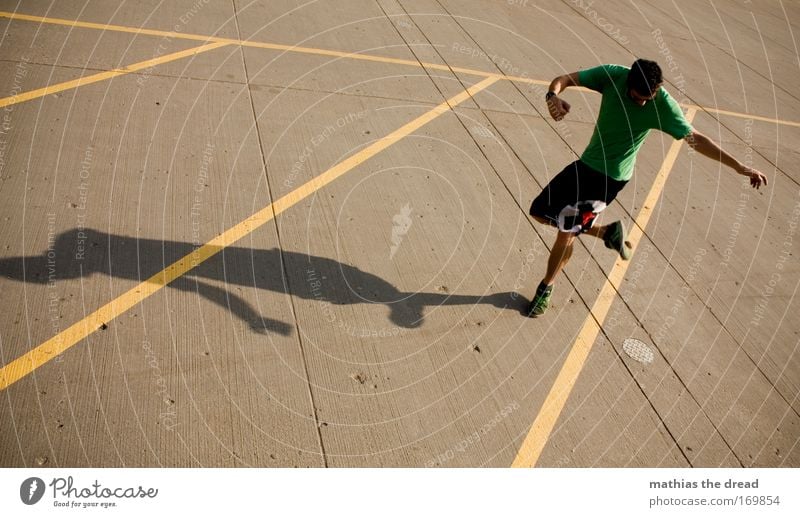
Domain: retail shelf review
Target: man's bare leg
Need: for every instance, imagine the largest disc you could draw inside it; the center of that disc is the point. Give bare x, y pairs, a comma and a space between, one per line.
561, 252
617, 238
559, 256
596, 231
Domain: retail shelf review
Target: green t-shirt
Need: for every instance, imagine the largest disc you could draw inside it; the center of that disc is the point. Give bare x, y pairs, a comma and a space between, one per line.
622, 125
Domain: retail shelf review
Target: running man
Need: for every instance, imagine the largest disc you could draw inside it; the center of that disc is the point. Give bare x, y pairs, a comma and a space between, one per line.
633, 103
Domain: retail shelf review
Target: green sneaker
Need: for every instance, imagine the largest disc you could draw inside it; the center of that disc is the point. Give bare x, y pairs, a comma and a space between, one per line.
540, 302
614, 238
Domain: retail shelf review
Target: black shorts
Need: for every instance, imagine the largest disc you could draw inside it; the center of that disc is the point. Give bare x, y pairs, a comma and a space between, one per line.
572, 200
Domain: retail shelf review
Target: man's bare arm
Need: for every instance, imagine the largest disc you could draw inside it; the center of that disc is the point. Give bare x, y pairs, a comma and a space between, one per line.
558, 107
707, 147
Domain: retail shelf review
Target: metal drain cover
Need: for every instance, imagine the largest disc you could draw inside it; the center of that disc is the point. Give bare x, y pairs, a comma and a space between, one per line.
637, 350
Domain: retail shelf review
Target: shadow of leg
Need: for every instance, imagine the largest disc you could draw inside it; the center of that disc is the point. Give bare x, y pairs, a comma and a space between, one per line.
233, 303
410, 312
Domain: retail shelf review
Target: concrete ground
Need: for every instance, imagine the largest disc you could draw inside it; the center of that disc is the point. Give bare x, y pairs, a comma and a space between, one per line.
274, 233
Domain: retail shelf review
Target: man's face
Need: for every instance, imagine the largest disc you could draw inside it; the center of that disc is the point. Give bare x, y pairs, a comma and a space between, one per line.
640, 99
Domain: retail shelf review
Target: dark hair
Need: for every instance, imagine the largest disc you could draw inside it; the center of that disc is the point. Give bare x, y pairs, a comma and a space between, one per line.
644, 77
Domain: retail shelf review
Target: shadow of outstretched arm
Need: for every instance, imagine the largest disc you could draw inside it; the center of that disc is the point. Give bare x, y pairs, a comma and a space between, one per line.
25, 269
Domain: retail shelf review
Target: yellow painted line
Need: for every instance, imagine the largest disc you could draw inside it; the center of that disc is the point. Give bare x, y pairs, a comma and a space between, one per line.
245, 43
25, 364
108, 27
258, 44
346, 55
539, 433
102, 76
747, 116
331, 53
517, 79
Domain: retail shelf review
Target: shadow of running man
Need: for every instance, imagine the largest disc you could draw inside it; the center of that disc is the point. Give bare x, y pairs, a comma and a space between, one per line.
84, 252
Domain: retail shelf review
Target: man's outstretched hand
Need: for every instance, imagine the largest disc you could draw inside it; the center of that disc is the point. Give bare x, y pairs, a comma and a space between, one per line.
558, 108
757, 178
